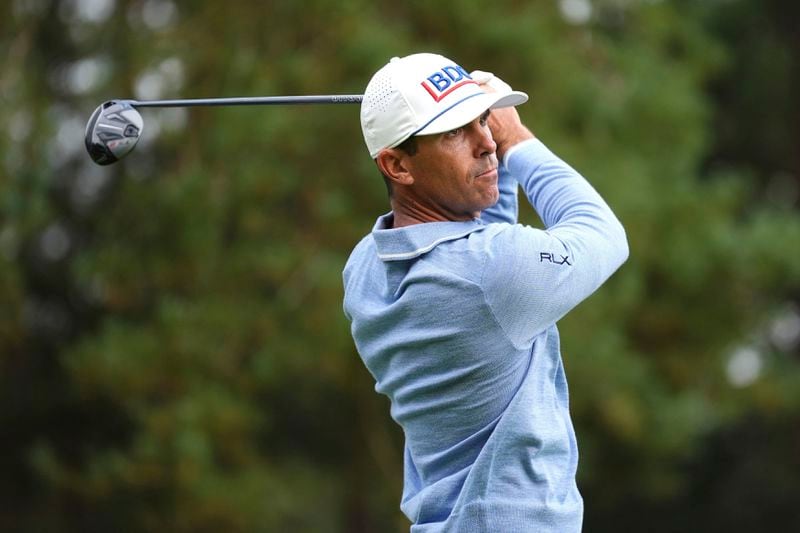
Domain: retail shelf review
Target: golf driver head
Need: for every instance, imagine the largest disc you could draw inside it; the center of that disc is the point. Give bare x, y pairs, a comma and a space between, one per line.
113, 131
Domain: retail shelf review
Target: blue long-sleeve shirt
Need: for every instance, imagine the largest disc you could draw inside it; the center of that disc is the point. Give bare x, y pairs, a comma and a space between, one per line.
456, 323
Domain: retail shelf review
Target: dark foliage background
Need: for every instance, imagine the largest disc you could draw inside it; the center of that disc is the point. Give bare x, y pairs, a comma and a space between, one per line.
173, 355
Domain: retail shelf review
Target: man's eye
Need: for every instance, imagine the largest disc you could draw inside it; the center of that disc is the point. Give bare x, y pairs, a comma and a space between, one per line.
453, 133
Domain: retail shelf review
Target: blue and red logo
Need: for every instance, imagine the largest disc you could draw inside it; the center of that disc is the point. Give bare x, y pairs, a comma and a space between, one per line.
443, 82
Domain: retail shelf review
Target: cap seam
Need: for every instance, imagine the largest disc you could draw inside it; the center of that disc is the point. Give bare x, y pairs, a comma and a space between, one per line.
413, 111
442, 112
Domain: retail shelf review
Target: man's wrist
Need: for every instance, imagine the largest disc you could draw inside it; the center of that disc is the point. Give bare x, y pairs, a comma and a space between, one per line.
519, 147
522, 134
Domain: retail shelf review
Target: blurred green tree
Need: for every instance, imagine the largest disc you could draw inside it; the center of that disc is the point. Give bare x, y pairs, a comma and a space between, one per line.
172, 347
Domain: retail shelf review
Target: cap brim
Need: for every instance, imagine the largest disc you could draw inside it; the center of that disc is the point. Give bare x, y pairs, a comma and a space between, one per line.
469, 109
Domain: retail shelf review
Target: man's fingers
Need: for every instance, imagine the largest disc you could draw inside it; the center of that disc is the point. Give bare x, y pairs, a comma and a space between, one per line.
489, 82
481, 77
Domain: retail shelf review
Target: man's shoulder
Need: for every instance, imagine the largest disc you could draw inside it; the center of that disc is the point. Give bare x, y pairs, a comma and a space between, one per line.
505, 237
364, 248
366, 242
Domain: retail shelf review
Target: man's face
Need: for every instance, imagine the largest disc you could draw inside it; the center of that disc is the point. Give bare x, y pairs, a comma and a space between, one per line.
455, 173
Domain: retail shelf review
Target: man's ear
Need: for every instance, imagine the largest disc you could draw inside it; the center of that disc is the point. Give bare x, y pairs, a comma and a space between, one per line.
392, 164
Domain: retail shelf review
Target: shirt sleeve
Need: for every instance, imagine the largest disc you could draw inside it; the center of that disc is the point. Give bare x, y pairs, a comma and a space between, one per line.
533, 277
507, 208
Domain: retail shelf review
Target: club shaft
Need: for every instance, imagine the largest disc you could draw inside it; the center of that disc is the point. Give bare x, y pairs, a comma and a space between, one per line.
252, 100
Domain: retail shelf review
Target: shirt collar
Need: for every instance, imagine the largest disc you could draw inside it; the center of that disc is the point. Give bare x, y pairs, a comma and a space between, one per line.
408, 242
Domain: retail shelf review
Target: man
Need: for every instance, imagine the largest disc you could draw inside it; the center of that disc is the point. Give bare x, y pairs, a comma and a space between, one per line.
453, 304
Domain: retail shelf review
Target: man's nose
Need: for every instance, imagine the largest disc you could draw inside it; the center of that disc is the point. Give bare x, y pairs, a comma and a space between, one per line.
484, 142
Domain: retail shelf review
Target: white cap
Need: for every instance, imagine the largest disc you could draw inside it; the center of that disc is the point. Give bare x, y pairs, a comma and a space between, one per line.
423, 94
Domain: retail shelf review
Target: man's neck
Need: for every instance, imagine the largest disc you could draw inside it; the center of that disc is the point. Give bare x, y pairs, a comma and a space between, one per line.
404, 216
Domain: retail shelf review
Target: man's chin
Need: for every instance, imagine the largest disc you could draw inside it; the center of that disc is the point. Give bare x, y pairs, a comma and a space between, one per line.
493, 198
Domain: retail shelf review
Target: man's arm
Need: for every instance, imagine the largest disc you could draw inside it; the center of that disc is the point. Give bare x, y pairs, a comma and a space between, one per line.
507, 207
507, 130
539, 275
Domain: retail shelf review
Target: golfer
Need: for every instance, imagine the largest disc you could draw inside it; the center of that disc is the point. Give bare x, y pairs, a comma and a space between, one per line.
453, 305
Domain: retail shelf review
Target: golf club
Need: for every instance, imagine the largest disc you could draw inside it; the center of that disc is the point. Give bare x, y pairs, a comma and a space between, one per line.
115, 126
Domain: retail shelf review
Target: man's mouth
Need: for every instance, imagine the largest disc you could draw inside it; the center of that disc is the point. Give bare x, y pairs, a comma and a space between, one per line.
487, 173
